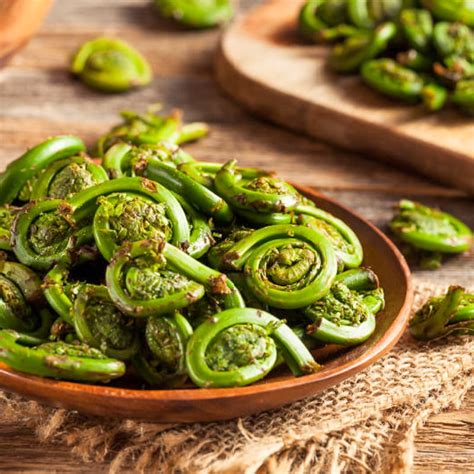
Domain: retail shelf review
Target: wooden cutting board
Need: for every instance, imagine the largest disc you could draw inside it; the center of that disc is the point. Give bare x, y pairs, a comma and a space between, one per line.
264, 65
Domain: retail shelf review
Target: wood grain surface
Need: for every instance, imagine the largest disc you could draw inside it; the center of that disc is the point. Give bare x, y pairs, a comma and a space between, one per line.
264, 65
39, 99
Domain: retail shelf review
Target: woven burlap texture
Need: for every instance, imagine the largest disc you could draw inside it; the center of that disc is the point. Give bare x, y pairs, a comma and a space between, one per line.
366, 423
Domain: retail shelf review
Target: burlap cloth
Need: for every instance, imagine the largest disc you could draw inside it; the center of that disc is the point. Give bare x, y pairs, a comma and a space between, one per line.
366, 423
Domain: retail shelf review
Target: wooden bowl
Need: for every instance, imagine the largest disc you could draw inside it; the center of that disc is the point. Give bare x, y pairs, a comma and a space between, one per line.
19, 20
191, 405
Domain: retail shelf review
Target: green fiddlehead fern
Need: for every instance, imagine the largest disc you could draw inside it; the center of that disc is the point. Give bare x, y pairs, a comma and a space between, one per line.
15, 181
451, 10
111, 65
57, 360
119, 157
217, 252
370, 13
346, 315
196, 13
454, 39
41, 236
202, 198
60, 292
151, 129
263, 194
325, 20
55, 231
286, 266
7, 216
22, 306
393, 80
432, 231
417, 28
64, 178
100, 324
464, 95
161, 362
353, 52
344, 240
452, 313
239, 347
152, 277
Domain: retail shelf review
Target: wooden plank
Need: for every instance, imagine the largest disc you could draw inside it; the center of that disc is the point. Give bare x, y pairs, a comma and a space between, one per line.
264, 67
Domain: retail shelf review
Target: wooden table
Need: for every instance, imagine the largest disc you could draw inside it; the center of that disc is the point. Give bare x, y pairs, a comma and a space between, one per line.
39, 99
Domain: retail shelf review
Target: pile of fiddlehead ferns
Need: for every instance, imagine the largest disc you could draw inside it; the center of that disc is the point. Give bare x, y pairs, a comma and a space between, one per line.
410, 50
147, 262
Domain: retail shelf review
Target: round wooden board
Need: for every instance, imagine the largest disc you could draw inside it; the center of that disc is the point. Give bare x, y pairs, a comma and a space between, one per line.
192, 405
264, 65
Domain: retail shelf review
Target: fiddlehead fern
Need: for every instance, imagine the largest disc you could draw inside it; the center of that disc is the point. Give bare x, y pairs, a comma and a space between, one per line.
60, 292
201, 197
346, 315
7, 216
452, 313
162, 361
119, 158
21, 299
430, 230
151, 129
57, 360
454, 39
62, 179
417, 28
370, 13
451, 10
286, 266
15, 181
464, 96
41, 236
155, 278
111, 65
130, 209
196, 13
99, 323
393, 80
264, 194
239, 347
325, 20
344, 240
353, 52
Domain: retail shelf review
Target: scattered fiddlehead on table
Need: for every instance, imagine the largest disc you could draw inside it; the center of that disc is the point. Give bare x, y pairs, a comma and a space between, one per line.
196, 13
430, 231
111, 65
452, 313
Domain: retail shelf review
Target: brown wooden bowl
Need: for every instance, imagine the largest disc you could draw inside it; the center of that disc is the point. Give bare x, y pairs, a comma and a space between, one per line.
191, 405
